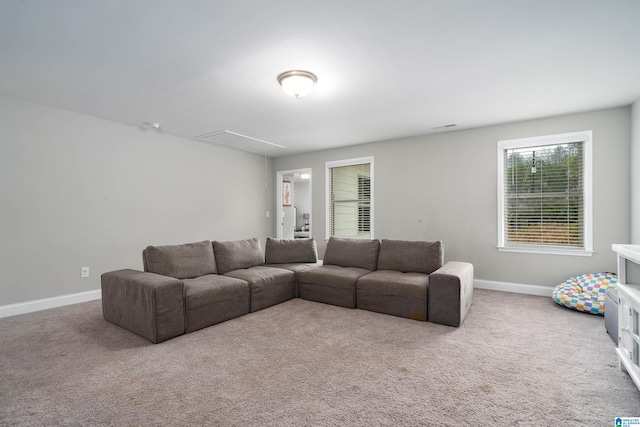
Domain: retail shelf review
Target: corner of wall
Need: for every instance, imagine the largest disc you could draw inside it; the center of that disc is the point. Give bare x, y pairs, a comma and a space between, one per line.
635, 172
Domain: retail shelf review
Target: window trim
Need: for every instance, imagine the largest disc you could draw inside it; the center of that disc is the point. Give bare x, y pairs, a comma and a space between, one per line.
586, 137
340, 163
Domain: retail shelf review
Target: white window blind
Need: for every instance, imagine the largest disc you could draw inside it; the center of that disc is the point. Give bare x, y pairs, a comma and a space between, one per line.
544, 198
349, 198
364, 203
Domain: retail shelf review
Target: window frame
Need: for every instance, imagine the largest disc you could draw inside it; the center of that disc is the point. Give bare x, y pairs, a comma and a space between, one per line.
584, 137
342, 163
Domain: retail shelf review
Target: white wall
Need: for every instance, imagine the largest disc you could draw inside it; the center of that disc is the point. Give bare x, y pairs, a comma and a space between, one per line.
444, 186
80, 191
635, 173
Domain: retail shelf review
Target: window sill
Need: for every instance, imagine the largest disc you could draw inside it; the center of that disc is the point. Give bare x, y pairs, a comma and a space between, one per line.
326, 239
545, 250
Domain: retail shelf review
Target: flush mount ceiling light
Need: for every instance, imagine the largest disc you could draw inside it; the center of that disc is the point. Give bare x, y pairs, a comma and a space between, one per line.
297, 82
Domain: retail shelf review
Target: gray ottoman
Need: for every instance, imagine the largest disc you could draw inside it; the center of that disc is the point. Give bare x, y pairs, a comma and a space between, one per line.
611, 314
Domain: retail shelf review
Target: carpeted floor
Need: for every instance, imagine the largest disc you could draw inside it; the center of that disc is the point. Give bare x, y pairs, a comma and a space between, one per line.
517, 360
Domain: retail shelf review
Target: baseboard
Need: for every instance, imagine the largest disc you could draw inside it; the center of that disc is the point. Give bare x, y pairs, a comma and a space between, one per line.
43, 304
519, 288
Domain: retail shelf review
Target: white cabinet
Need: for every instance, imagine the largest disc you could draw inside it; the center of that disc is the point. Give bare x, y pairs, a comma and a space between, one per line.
629, 331
628, 313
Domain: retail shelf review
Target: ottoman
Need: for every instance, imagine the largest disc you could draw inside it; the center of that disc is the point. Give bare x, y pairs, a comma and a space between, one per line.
611, 314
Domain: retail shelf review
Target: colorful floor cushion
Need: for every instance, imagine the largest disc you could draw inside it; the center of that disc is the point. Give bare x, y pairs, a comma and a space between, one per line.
587, 292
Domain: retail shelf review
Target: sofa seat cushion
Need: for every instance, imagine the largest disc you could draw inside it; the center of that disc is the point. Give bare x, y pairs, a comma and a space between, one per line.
290, 251
238, 254
180, 261
268, 285
331, 284
352, 253
394, 292
212, 299
297, 268
410, 256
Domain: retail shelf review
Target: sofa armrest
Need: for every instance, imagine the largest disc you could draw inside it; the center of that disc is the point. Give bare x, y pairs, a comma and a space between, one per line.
147, 304
450, 293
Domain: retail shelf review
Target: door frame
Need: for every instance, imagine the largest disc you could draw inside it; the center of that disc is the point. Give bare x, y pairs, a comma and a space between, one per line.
279, 179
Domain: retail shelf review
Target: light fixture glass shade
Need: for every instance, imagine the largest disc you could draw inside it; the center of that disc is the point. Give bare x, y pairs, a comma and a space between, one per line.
305, 175
297, 83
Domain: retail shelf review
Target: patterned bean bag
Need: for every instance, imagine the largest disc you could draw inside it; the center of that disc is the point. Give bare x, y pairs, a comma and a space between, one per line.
587, 292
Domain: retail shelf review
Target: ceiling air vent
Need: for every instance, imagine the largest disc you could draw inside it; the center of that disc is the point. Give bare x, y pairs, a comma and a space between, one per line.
238, 141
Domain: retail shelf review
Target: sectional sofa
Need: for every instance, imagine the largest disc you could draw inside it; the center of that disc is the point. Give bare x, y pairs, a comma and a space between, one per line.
188, 287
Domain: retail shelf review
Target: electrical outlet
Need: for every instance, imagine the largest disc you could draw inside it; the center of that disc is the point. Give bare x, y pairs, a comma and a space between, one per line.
84, 272
268, 214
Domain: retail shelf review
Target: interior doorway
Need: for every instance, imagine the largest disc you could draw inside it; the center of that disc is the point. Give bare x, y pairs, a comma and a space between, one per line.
293, 204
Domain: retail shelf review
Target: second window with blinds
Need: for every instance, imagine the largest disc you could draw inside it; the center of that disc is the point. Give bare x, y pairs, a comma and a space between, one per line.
544, 194
350, 198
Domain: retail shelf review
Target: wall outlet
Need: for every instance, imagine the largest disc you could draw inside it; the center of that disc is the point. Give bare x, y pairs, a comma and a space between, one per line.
84, 272
268, 214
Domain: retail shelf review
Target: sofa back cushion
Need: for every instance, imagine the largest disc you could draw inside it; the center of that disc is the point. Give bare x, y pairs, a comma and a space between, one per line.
352, 253
410, 256
290, 251
180, 261
237, 254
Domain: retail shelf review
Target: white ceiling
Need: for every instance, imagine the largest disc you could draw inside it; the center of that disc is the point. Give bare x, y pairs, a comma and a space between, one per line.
386, 68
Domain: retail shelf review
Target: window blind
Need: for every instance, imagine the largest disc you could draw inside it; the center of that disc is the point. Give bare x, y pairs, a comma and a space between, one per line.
544, 195
364, 205
350, 201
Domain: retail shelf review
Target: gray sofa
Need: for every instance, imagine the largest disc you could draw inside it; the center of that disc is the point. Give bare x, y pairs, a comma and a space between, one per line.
188, 287
398, 277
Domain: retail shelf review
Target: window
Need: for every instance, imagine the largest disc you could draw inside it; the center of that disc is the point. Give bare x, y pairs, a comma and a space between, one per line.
544, 194
349, 198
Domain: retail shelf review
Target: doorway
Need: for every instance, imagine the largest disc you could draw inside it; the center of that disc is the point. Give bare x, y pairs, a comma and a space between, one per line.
293, 204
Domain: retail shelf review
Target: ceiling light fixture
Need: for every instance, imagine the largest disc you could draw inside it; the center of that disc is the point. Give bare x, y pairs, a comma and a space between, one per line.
305, 175
297, 83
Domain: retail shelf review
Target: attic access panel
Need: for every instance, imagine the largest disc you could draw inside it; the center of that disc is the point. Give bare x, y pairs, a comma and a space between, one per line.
239, 141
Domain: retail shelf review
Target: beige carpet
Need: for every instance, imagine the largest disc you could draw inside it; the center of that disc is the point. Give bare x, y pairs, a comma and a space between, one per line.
517, 360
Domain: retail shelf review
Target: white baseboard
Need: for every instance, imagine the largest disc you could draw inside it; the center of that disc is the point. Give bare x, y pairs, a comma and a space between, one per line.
519, 288
43, 304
